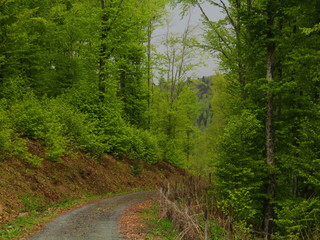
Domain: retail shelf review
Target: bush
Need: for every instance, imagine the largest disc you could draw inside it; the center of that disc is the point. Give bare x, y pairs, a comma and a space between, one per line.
104, 128
6, 131
240, 169
139, 145
298, 219
77, 126
145, 146
96, 129
10, 143
171, 153
33, 119
152, 151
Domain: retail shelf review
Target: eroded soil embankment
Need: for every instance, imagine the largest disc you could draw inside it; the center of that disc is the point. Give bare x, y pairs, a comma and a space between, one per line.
24, 187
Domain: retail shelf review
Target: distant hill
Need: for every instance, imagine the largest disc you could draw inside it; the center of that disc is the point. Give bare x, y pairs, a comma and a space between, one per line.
204, 87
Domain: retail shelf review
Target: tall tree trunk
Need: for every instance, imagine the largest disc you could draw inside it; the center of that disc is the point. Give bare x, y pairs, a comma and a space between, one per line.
238, 31
149, 71
269, 138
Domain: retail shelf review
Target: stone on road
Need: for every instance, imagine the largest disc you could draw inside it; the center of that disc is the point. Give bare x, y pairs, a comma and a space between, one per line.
95, 221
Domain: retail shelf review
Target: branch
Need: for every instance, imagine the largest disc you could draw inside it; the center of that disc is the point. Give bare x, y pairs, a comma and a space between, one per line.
184, 40
223, 6
211, 25
229, 16
204, 14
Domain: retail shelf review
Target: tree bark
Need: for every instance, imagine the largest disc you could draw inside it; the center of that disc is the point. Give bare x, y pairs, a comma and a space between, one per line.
149, 71
269, 138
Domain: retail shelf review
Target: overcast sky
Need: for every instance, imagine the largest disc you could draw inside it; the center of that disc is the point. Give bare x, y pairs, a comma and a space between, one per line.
178, 25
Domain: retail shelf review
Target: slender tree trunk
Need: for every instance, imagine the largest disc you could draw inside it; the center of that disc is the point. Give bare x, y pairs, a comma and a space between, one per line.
268, 214
149, 71
238, 30
269, 138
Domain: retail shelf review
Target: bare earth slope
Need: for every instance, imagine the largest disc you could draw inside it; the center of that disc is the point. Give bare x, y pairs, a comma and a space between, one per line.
96, 221
24, 188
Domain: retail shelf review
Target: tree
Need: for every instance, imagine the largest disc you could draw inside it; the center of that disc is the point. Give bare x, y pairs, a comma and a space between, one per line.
175, 104
92, 55
270, 81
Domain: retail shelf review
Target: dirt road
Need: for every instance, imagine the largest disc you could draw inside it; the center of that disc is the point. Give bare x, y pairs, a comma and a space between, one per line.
96, 221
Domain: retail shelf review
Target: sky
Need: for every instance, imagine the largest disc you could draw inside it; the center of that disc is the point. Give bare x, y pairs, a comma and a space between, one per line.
178, 25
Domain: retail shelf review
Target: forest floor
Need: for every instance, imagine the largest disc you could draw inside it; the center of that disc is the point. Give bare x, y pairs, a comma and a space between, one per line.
132, 226
26, 189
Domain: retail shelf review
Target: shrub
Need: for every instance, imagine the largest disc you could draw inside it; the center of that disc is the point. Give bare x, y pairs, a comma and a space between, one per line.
298, 219
98, 129
171, 153
34, 120
6, 131
240, 169
145, 146
152, 151
139, 144
10, 143
77, 126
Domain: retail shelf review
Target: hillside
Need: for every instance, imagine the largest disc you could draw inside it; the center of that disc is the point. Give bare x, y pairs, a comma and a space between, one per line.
25, 188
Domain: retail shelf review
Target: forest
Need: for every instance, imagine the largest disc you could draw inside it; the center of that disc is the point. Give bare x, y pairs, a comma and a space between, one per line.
86, 74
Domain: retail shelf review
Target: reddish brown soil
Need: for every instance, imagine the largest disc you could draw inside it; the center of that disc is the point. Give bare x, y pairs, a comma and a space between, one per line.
76, 176
132, 225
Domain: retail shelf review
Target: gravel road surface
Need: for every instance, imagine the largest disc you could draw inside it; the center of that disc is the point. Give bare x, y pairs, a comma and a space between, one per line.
95, 221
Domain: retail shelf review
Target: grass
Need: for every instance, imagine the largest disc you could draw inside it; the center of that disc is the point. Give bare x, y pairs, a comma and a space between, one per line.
20, 225
38, 214
163, 228
158, 228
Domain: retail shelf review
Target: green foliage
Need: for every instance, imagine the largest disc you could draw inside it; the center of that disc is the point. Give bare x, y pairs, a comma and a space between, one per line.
144, 146
240, 168
296, 217
218, 233
158, 228
13, 89
55, 124
32, 202
10, 143
13, 229
6, 131
172, 152
75, 73
173, 120
249, 32
138, 144
99, 128
33, 119
76, 126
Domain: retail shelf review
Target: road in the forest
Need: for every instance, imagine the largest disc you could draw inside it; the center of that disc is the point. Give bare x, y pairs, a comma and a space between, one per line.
95, 221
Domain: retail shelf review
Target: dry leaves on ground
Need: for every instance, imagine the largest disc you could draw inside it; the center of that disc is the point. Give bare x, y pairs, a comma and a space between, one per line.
131, 223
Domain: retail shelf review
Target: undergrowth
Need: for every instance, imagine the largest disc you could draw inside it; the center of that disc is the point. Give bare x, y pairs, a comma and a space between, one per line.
158, 228
57, 124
